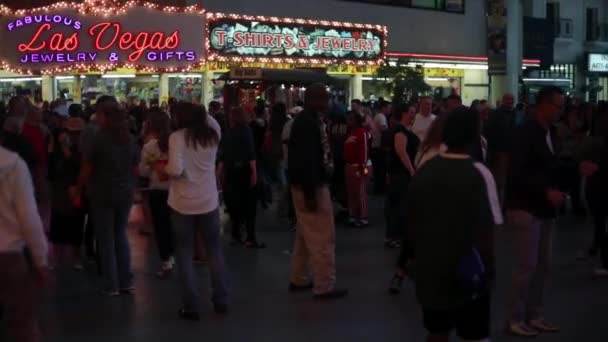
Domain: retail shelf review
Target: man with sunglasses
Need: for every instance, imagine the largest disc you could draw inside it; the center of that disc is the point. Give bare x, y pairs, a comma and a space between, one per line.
532, 200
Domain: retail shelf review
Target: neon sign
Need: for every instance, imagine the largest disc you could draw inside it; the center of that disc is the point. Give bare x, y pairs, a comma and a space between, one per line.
140, 37
234, 37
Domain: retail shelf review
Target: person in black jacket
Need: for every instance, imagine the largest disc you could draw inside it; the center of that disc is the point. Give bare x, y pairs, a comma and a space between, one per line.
309, 171
532, 201
595, 168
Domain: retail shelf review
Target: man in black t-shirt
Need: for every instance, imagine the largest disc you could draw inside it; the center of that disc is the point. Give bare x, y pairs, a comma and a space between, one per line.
452, 207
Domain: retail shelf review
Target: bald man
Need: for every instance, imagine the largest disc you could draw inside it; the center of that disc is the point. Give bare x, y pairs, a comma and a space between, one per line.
310, 166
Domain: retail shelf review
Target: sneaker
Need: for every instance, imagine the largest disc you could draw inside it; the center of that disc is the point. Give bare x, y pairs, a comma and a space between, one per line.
396, 283
165, 269
110, 293
128, 290
522, 329
542, 326
300, 288
333, 294
600, 272
363, 224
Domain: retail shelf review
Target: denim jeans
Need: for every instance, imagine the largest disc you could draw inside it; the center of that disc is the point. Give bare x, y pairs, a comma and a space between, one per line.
533, 250
110, 223
185, 228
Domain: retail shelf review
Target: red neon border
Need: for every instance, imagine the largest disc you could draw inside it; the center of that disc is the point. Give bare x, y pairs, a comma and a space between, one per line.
215, 16
86, 8
454, 57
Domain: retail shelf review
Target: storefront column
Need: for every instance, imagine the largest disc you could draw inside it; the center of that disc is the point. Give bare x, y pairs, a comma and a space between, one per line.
356, 87
509, 83
47, 88
77, 90
163, 88
207, 93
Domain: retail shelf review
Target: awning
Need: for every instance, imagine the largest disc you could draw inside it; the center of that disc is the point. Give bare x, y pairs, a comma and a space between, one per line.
278, 75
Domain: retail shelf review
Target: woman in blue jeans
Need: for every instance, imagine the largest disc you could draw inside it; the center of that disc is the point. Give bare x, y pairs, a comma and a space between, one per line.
194, 200
109, 169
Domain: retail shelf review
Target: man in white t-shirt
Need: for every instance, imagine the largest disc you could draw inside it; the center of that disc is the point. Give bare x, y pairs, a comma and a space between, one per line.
424, 119
378, 159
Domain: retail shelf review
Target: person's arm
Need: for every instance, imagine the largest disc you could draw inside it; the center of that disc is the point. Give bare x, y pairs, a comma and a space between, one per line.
401, 150
28, 216
175, 166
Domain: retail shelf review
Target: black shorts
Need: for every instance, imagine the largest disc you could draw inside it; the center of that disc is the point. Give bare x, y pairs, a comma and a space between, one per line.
471, 321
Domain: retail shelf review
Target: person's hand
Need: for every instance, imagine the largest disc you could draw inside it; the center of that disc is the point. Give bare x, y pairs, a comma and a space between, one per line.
556, 198
588, 168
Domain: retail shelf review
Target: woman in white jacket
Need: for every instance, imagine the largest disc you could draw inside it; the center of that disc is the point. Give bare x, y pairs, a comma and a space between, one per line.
193, 198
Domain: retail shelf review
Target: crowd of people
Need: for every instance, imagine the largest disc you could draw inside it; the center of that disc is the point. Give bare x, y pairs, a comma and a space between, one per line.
69, 176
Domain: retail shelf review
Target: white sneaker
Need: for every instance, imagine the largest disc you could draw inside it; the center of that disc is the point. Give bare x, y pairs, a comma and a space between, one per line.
600, 272
522, 329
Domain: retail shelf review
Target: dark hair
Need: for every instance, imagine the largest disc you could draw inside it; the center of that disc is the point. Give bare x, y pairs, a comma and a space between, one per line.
260, 107
214, 106
75, 110
357, 101
359, 120
383, 104
117, 123
300, 103
193, 119
483, 102
462, 128
160, 124
399, 110
237, 116
455, 97
14, 102
547, 93
434, 136
278, 118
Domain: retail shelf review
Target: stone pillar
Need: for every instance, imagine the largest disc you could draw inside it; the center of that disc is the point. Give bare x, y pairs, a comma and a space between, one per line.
163, 88
48, 85
207, 83
509, 83
77, 89
356, 87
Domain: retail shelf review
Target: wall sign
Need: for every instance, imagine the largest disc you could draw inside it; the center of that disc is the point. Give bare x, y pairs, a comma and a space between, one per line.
244, 38
69, 36
496, 19
598, 62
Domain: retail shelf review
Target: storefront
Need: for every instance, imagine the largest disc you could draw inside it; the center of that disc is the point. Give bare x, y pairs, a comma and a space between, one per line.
79, 51
148, 52
275, 58
597, 77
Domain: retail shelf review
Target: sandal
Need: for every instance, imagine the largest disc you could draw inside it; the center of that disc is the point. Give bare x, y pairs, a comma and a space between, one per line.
255, 245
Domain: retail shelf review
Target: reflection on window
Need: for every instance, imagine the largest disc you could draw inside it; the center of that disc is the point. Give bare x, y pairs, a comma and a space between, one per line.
456, 6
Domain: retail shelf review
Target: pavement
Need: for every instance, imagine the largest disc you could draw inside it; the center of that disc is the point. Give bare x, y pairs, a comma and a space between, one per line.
262, 310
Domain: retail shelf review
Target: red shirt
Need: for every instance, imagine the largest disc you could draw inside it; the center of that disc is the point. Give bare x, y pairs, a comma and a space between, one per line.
35, 136
355, 147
